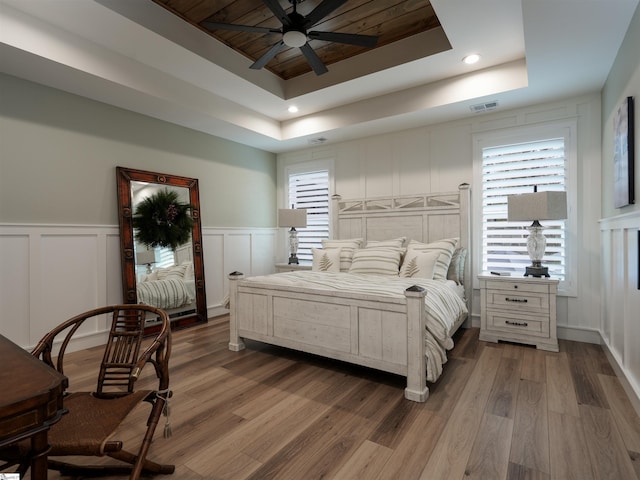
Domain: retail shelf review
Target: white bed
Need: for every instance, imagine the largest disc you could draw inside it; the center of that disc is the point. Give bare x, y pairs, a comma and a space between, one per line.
392, 324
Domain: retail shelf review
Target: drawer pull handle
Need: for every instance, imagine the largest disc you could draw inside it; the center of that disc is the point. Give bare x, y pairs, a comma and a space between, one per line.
516, 324
517, 300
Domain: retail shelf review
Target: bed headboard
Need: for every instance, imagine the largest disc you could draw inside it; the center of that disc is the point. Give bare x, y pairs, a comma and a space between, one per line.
425, 218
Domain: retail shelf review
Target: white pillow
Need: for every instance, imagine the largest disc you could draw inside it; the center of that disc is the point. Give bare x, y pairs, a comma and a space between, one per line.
444, 247
419, 264
376, 261
395, 242
172, 272
326, 260
188, 272
347, 248
151, 277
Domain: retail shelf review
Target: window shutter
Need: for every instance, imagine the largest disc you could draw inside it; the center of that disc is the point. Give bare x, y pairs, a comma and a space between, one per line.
165, 257
310, 190
515, 169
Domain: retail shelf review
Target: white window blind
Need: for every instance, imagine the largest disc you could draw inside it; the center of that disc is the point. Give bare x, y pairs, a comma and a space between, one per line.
165, 257
310, 190
514, 169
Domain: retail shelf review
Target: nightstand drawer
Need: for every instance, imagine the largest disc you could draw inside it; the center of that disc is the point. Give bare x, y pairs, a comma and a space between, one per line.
517, 286
525, 324
520, 301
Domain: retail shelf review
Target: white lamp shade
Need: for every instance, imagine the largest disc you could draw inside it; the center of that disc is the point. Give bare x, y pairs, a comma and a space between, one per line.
537, 206
292, 217
144, 257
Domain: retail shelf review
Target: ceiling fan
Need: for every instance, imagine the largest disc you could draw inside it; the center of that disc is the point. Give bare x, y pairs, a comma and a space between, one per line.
295, 32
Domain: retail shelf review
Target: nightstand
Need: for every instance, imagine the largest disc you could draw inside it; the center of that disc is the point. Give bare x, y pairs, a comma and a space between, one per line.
285, 267
519, 309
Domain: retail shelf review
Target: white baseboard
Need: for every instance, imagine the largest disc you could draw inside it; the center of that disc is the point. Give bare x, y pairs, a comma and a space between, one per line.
634, 396
216, 311
579, 334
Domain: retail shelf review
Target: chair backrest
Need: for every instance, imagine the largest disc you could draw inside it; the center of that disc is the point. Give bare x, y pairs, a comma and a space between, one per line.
124, 356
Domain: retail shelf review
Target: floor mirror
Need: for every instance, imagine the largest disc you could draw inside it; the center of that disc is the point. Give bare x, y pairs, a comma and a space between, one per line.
161, 245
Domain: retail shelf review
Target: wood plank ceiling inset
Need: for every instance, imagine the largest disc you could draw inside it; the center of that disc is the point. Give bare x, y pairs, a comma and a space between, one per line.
390, 20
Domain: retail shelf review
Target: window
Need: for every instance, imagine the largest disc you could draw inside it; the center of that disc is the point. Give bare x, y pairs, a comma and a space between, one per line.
310, 190
165, 257
511, 165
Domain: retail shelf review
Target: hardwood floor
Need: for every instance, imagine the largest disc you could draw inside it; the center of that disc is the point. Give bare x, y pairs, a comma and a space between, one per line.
500, 411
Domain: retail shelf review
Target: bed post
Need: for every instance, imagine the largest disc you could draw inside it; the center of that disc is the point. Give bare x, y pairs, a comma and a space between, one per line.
335, 216
465, 241
417, 389
235, 343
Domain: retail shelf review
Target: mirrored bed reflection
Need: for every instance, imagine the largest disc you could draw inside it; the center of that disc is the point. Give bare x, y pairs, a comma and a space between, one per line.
170, 277
164, 275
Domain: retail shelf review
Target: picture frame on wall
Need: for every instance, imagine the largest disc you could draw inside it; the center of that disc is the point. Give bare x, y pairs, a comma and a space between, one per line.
623, 155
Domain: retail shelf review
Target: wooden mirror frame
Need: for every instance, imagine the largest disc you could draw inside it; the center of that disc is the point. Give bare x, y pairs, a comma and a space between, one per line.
124, 177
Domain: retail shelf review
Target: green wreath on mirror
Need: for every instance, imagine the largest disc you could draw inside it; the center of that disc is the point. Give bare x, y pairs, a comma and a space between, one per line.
161, 220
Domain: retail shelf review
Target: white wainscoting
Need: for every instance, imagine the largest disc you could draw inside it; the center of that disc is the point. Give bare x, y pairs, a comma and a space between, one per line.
620, 321
49, 273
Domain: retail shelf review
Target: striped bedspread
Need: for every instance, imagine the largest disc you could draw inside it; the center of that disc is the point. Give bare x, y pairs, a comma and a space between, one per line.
168, 293
444, 306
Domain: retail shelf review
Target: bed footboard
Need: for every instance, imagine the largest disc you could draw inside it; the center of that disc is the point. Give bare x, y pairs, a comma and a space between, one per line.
384, 333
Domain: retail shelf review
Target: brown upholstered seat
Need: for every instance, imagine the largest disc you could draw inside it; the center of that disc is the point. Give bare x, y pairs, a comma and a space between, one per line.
93, 417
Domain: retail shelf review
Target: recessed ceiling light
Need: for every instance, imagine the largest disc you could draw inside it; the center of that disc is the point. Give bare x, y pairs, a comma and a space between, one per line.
293, 109
471, 59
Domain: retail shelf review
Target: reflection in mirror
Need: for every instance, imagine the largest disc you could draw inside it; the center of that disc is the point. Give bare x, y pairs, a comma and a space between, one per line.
161, 244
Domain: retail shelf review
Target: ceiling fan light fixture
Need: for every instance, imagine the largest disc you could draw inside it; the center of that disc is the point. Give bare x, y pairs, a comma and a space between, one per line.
294, 38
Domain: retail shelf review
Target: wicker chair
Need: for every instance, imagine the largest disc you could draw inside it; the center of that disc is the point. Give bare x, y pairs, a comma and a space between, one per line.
93, 417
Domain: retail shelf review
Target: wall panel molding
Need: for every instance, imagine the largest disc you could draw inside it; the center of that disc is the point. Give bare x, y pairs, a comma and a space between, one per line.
620, 327
52, 272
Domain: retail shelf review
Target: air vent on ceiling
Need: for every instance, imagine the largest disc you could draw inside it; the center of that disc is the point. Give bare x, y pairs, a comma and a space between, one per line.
484, 107
317, 141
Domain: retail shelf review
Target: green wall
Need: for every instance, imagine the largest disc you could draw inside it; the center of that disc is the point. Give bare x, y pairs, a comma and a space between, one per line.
58, 154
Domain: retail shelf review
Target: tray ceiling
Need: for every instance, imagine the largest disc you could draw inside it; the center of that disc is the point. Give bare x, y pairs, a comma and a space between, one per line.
389, 20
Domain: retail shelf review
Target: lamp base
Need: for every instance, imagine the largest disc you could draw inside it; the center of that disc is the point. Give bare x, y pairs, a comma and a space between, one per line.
536, 271
293, 259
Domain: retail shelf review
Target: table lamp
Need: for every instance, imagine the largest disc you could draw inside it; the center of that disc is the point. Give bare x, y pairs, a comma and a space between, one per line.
292, 218
146, 257
535, 207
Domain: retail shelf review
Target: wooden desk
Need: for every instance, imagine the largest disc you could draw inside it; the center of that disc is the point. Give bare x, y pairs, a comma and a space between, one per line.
30, 402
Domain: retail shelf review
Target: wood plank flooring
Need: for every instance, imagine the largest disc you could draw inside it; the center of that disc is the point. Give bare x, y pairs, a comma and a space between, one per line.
499, 411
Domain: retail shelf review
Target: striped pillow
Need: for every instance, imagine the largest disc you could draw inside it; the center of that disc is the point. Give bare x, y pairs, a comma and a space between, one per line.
445, 247
376, 261
347, 248
176, 272
326, 260
456, 267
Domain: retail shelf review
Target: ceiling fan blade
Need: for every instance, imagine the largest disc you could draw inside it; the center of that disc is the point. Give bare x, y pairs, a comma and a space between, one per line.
239, 28
313, 59
264, 59
321, 11
349, 38
278, 11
